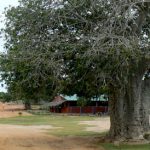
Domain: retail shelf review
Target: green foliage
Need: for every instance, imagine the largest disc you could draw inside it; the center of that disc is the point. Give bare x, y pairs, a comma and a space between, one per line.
73, 47
5, 97
27, 65
82, 102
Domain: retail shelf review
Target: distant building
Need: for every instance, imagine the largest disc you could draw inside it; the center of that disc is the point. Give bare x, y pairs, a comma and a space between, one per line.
68, 104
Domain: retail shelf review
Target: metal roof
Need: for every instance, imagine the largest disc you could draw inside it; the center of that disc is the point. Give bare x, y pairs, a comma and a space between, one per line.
71, 98
74, 97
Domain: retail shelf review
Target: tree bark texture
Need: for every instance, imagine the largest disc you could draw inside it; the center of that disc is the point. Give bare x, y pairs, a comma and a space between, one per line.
130, 108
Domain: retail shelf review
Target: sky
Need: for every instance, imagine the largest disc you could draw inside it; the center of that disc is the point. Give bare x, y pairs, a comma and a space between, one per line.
3, 4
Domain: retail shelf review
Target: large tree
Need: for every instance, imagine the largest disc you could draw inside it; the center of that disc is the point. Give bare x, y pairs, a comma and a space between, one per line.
76, 42
28, 65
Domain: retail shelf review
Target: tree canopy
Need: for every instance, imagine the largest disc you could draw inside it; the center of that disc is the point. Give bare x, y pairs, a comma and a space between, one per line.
83, 46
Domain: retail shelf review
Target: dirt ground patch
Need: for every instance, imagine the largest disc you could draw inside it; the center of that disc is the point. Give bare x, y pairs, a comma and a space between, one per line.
99, 125
7, 114
20, 137
17, 137
11, 106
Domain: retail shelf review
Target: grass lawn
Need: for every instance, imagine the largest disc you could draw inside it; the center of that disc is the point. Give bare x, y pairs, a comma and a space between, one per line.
69, 127
126, 147
69, 124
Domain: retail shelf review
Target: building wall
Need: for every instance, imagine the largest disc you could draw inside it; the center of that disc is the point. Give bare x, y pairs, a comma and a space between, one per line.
87, 109
71, 107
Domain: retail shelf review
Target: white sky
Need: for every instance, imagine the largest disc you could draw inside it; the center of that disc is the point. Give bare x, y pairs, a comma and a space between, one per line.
3, 4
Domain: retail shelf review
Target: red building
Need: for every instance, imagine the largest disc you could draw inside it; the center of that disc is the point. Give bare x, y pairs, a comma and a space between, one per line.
66, 104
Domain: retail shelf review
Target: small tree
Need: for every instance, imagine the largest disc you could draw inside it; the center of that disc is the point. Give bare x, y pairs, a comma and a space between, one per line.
82, 102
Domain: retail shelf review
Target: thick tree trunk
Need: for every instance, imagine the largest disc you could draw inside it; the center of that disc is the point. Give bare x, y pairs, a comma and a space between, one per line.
145, 100
129, 108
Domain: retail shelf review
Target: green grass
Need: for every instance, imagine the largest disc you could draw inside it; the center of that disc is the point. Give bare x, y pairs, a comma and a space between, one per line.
69, 124
69, 127
109, 146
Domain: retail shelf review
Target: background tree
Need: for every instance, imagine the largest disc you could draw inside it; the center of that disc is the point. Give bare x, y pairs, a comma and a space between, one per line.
83, 46
5, 97
28, 64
